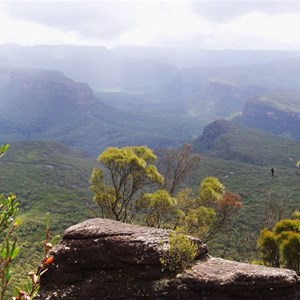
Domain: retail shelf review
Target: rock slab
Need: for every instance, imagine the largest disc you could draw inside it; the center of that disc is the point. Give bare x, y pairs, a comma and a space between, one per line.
105, 259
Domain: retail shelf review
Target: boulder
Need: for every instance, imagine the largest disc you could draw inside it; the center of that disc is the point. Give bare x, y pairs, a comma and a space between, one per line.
105, 259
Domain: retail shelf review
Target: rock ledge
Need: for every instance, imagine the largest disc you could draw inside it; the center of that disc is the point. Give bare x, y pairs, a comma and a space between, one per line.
105, 259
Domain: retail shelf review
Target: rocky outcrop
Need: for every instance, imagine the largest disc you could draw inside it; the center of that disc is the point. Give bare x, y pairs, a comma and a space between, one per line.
211, 134
104, 259
44, 84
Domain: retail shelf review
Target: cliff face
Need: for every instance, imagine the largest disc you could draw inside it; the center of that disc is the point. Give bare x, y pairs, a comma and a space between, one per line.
265, 116
104, 259
43, 85
211, 133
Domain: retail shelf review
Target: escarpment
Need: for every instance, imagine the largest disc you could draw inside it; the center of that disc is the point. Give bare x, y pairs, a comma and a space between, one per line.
105, 259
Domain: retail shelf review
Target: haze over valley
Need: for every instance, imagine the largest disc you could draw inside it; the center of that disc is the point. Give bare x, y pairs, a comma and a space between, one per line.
218, 77
91, 97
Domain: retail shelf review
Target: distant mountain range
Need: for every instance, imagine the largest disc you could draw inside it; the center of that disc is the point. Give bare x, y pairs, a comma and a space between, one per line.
91, 98
46, 105
94, 97
97, 66
185, 57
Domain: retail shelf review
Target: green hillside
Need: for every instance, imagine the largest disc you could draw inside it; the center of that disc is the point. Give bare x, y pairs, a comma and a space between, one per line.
230, 141
255, 185
51, 181
242, 159
48, 177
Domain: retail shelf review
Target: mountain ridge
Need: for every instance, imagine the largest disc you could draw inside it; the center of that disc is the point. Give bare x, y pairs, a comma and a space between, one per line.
231, 141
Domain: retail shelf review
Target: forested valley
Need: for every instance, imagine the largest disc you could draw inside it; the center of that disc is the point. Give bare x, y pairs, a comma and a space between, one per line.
208, 149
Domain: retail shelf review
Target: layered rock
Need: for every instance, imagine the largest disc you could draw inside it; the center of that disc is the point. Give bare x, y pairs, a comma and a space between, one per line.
104, 259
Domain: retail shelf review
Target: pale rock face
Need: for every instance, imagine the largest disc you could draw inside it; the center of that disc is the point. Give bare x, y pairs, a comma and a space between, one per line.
105, 259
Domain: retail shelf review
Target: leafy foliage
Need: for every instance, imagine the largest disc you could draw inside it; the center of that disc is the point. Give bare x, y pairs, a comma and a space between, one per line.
158, 208
32, 286
281, 246
50, 178
269, 248
210, 213
9, 247
3, 149
211, 190
130, 170
193, 218
179, 254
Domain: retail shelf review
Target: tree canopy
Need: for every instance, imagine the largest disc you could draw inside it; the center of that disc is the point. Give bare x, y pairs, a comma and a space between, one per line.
129, 170
281, 245
129, 187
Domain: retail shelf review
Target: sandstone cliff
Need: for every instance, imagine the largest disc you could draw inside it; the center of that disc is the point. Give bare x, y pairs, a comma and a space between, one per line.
105, 259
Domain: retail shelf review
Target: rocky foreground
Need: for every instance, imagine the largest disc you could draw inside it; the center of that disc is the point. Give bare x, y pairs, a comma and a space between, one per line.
105, 259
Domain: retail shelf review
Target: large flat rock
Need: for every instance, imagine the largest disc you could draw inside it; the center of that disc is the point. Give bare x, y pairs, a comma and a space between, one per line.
105, 259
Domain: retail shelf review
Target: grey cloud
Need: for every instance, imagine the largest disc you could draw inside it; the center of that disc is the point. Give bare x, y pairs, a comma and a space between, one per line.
87, 18
223, 11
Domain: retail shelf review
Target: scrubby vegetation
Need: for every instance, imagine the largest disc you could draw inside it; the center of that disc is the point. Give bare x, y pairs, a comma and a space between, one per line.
134, 191
281, 245
179, 254
47, 175
37, 172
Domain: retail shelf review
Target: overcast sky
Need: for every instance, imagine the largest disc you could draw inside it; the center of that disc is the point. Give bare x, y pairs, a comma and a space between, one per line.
206, 24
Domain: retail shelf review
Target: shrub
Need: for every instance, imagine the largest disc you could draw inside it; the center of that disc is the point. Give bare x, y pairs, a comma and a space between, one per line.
269, 249
281, 247
180, 253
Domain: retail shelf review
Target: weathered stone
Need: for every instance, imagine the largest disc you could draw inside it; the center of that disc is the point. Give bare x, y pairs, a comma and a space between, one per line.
105, 259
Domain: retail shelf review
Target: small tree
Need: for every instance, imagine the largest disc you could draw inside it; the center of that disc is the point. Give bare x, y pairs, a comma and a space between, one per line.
226, 208
176, 165
281, 246
290, 249
208, 214
129, 170
158, 209
268, 248
276, 209
120, 191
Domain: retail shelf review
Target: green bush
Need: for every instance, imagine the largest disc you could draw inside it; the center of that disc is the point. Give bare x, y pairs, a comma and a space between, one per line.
268, 248
287, 225
281, 247
180, 253
291, 252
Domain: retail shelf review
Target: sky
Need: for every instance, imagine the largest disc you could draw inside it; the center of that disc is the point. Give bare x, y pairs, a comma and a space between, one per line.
204, 24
